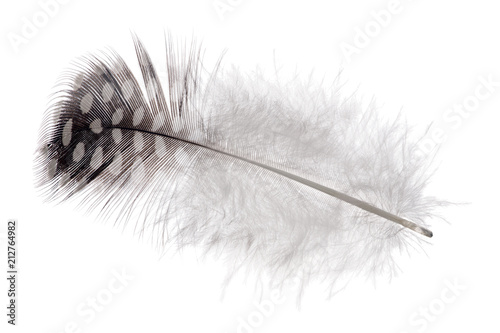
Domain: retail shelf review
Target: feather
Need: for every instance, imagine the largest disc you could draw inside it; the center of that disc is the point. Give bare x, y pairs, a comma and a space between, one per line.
284, 179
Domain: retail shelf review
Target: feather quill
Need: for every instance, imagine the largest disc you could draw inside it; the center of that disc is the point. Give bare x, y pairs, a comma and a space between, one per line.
287, 180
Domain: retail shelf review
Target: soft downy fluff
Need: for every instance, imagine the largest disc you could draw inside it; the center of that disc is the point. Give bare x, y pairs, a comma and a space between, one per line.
192, 162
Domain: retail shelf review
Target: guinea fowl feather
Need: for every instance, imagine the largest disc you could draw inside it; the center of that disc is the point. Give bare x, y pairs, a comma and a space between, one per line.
283, 179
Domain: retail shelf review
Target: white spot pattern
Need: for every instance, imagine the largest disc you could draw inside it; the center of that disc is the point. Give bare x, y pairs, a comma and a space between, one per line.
158, 122
138, 142
79, 152
138, 116
117, 135
66, 133
52, 168
96, 160
99, 71
128, 89
86, 102
116, 166
107, 92
64, 180
117, 117
78, 82
160, 147
96, 126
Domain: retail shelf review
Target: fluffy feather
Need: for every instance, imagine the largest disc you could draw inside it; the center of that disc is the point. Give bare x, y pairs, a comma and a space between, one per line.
237, 165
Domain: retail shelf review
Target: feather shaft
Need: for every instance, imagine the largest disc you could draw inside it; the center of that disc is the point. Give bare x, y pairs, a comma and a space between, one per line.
332, 192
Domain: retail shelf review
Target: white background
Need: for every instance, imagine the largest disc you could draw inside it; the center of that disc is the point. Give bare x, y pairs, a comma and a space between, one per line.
428, 58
